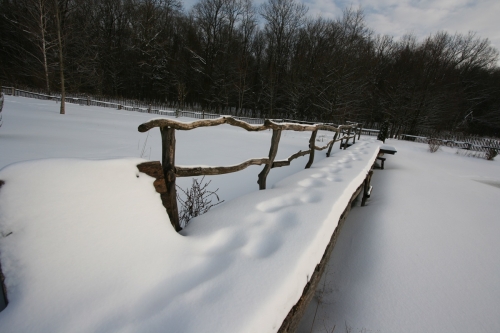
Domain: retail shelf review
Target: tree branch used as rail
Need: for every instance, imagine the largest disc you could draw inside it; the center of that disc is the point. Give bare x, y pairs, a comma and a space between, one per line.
199, 123
217, 170
268, 124
280, 163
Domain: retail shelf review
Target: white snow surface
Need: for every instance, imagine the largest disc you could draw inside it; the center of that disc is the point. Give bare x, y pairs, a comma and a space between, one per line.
423, 255
86, 245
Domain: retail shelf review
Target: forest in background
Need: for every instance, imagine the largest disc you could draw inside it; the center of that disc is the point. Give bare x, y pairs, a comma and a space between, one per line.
272, 60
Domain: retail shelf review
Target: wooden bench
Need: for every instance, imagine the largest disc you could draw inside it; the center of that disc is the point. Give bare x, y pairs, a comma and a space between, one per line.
384, 149
382, 160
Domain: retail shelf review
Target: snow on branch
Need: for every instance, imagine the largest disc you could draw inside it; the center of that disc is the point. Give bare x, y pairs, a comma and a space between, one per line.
217, 170
268, 124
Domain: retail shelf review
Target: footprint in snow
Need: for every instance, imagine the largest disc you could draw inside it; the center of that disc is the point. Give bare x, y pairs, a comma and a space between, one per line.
318, 175
311, 183
227, 240
264, 244
311, 197
335, 170
278, 203
336, 179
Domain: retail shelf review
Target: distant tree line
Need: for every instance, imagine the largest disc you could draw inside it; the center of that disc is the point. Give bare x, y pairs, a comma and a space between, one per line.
229, 56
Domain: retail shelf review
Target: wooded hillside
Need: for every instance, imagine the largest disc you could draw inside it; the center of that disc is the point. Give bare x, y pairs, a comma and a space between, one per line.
272, 61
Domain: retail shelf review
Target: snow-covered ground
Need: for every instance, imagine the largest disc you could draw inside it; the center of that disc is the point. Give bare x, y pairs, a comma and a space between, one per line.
86, 245
91, 249
423, 255
33, 129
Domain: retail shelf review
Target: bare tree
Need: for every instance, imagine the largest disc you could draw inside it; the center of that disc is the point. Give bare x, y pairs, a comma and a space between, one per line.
283, 19
57, 5
33, 18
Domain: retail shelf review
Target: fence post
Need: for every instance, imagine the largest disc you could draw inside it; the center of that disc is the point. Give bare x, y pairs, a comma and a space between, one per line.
333, 142
366, 190
275, 140
168, 165
13, 91
360, 129
312, 141
149, 108
347, 140
88, 100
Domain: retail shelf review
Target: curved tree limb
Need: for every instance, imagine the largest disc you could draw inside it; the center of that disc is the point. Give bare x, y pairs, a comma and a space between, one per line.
217, 170
268, 124
164, 122
280, 163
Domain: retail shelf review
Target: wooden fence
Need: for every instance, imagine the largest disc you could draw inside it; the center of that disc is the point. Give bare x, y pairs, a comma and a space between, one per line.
134, 105
171, 171
119, 106
458, 141
125, 104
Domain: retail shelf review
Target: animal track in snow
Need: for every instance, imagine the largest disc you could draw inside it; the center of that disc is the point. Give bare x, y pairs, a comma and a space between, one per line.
227, 240
311, 197
278, 203
263, 244
318, 175
335, 179
311, 183
335, 170
286, 221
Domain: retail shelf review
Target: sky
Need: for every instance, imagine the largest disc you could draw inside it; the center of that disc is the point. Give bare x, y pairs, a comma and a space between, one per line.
398, 17
422, 18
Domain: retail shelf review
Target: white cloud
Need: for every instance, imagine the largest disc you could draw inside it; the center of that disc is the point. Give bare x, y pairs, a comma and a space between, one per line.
421, 17
398, 17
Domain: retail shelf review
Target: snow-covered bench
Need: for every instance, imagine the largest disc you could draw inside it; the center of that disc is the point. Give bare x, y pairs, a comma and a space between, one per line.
385, 149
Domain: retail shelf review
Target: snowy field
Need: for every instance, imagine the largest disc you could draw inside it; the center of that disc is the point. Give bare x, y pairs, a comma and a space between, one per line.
421, 257
91, 236
33, 129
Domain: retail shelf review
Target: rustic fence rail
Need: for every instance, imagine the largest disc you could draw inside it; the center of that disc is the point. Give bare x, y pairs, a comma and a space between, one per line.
170, 171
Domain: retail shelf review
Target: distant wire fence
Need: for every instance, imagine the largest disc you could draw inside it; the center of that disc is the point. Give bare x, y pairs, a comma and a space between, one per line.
158, 108
458, 141
134, 106
450, 140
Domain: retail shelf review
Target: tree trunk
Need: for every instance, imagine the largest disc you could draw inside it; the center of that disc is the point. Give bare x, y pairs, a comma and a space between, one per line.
312, 140
168, 165
61, 65
44, 46
272, 155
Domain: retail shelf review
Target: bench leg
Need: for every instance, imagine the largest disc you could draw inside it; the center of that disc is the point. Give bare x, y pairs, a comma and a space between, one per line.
367, 188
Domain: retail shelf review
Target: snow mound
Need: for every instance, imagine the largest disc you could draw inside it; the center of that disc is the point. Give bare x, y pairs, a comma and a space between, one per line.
86, 246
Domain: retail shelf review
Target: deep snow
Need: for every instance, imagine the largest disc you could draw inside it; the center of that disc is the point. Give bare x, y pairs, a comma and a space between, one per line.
421, 257
86, 245
33, 129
